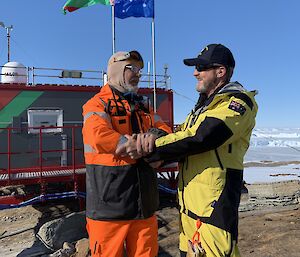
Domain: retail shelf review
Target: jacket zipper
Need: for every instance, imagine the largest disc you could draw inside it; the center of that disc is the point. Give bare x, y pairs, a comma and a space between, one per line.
183, 205
219, 160
230, 148
185, 163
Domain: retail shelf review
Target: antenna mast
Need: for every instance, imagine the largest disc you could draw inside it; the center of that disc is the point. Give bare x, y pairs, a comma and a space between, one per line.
8, 30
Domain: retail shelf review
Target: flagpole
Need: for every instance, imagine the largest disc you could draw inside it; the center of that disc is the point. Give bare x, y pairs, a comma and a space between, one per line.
154, 66
113, 28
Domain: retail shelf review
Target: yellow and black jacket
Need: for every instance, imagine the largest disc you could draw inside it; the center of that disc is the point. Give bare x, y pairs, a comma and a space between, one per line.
210, 148
118, 188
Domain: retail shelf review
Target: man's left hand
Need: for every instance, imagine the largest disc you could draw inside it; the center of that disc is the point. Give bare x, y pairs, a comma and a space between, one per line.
145, 143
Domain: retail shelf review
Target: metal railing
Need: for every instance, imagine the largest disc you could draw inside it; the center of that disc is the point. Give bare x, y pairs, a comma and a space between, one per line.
39, 75
10, 170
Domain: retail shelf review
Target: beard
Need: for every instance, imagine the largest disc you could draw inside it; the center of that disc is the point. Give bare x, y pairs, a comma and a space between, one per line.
130, 88
207, 86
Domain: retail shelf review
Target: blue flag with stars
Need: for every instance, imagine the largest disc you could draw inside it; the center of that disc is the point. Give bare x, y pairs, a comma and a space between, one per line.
134, 8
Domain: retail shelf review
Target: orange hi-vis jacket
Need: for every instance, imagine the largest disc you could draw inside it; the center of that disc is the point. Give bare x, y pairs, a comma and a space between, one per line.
118, 188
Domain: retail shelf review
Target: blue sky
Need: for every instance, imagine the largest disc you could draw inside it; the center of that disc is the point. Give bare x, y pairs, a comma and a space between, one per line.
262, 34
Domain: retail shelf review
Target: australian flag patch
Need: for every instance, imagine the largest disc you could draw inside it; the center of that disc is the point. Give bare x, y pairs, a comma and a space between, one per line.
237, 107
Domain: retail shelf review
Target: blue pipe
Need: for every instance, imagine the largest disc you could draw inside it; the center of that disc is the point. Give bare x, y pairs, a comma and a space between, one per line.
42, 198
167, 190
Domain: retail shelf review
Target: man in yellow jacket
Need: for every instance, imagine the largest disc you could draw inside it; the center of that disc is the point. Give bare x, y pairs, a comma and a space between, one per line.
122, 194
210, 147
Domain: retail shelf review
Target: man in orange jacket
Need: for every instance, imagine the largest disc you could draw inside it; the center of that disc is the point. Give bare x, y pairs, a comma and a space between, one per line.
122, 194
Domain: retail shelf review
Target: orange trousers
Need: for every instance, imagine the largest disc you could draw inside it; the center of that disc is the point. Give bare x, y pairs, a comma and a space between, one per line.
108, 238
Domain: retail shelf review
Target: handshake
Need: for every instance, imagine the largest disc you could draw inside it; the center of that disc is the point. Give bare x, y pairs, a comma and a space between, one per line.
138, 146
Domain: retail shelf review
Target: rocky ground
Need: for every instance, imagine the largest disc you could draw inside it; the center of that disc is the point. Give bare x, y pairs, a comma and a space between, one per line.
269, 225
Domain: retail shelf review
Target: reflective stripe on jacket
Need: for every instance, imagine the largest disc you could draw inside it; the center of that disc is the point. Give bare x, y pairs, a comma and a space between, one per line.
117, 188
211, 146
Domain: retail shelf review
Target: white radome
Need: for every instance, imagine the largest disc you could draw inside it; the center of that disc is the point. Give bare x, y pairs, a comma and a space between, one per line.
14, 72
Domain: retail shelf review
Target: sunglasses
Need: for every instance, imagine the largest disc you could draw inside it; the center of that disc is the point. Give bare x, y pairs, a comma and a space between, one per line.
134, 69
205, 68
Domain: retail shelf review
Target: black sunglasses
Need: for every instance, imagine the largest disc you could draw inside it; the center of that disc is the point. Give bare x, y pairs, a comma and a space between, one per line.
207, 67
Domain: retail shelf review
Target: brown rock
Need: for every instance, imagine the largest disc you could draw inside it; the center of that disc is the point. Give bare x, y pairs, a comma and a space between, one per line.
82, 248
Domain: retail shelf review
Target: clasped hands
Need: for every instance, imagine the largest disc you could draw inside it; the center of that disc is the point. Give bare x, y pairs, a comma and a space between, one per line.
138, 146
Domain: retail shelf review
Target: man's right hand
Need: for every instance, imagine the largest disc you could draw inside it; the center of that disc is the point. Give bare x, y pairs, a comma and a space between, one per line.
121, 149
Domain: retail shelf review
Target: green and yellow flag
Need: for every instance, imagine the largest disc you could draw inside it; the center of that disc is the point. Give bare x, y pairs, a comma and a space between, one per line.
73, 5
